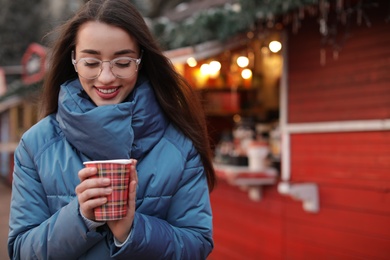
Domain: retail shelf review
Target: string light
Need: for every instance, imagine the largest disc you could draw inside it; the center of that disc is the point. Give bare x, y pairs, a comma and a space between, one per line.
214, 67
192, 62
204, 69
275, 46
211, 69
242, 61
246, 74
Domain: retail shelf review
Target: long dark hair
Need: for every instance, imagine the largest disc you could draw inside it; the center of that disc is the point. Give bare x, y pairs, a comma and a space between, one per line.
176, 97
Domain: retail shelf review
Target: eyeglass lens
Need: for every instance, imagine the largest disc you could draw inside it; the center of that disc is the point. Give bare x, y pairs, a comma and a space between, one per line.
91, 68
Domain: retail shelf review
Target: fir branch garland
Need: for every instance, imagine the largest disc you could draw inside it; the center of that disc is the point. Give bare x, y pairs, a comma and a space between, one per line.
222, 22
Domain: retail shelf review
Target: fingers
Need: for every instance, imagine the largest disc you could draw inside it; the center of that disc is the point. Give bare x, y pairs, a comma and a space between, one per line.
132, 195
90, 197
91, 192
86, 173
133, 172
132, 188
88, 183
133, 185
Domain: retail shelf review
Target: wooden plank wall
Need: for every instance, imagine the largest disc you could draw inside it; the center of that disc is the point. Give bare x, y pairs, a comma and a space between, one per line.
245, 229
355, 86
354, 182
352, 169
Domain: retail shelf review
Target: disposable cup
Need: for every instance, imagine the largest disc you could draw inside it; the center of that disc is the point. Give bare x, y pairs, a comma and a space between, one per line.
118, 171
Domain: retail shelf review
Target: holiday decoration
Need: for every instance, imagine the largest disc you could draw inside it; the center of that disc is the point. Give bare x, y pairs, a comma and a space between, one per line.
221, 23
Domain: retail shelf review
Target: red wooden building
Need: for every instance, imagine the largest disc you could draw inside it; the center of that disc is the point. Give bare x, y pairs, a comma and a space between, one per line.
331, 200
335, 121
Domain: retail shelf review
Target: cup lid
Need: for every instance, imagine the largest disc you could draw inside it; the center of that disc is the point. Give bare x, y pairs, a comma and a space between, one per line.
119, 161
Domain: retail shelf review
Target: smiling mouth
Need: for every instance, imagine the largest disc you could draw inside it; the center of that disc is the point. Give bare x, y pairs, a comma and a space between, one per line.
107, 91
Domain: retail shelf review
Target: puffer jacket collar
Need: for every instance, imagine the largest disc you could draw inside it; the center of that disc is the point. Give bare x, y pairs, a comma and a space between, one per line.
121, 131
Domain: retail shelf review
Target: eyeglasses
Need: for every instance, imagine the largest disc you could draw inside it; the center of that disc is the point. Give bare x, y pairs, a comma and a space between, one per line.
91, 68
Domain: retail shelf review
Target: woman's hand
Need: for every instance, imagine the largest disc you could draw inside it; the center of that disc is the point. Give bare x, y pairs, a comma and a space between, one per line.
91, 192
121, 228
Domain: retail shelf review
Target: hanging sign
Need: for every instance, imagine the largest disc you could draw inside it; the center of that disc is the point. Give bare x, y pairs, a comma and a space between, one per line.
34, 64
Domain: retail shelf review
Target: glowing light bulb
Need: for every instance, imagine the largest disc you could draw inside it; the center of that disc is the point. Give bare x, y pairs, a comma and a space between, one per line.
191, 62
242, 61
246, 74
214, 68
205, 69
275, 46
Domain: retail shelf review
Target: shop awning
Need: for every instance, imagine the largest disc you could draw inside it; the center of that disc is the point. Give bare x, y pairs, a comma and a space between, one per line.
203, 50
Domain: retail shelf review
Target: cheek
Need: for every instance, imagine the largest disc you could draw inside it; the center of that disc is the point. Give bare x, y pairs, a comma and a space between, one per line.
84, 83
130, 83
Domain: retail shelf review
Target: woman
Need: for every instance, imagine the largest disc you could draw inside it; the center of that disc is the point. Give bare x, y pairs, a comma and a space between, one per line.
111, 94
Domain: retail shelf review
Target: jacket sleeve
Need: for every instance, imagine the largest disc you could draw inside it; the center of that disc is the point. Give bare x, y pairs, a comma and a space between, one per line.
186, 233
35, 232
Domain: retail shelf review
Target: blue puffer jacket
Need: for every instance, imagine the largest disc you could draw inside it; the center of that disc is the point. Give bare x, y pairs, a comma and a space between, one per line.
173, 216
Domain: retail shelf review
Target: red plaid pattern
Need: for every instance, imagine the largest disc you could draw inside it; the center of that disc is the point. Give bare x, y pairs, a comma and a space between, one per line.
116, 206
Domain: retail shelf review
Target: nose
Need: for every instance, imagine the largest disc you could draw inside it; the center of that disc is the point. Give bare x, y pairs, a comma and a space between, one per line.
106, 75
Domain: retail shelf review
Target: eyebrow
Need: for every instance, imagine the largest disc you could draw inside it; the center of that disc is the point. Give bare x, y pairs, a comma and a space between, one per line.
121, 52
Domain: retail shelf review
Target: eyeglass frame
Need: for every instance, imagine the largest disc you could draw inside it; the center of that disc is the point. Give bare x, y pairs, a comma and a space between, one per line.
137, 63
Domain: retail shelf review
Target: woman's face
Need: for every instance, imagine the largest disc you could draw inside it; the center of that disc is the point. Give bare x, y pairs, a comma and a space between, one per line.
105, 42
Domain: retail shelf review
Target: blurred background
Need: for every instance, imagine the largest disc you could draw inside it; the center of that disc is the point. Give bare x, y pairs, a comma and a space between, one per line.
297, 99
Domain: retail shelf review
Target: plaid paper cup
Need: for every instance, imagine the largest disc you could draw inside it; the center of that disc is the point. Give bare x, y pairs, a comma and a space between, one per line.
119, 173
